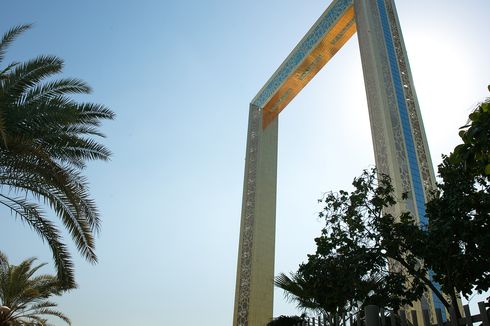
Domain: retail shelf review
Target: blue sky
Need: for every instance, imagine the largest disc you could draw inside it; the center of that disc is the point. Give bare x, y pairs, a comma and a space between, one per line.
180, 75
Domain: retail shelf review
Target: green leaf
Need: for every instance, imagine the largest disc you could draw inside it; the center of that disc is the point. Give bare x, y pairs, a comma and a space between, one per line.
487, 169
485, 107
474, 116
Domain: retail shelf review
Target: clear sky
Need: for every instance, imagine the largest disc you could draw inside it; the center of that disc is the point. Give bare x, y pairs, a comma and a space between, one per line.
180, 75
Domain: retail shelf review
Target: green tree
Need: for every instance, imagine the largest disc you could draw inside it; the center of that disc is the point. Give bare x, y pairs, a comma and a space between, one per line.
458, 234
319, 285
45, 140
382, 250
474, 152
24, 296
353, 263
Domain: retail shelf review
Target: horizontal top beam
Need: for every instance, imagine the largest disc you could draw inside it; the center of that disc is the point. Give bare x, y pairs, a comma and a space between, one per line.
318, 46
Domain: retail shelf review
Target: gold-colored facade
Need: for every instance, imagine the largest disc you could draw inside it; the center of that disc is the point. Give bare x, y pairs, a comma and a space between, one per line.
328, 46
399, 140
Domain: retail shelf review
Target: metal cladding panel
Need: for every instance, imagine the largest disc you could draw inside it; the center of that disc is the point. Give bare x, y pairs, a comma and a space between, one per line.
401, 149
384, 56
404, 116
255, 272
330, 32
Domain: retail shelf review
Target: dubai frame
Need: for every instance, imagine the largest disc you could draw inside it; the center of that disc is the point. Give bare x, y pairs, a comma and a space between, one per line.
400, 144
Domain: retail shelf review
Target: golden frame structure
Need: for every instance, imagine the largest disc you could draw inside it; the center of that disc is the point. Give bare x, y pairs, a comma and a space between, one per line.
399, 140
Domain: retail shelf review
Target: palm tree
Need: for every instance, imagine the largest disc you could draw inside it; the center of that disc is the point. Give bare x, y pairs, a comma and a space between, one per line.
23, 296
45, 140
297, 288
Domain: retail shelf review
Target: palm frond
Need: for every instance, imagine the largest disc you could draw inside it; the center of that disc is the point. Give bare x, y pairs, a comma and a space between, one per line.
32, 215
27, 74
80, 219
7, 69
46, 138
42, 172
3, 259
26, 295
47, 311
54, 88
41, 305
10, 36
294, 290
91, 111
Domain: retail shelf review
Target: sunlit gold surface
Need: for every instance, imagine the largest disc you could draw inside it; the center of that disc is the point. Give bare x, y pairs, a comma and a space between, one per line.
338, 35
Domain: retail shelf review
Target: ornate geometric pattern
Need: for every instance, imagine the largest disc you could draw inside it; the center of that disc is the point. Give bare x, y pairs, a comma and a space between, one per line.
423, 158
324, 50
413, 137
418, 192
376, 106
248, 223
307, 44
376, 116
401, 121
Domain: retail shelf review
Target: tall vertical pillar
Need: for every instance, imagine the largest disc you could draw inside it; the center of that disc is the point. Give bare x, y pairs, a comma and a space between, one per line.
400, 144
255, 272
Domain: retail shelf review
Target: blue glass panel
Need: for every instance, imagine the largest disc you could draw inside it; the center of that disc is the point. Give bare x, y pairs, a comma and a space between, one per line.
407, 132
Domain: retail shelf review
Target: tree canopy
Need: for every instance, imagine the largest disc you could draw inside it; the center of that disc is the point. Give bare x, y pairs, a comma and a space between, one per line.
351, 267
459, 211
367, 255
24, 295
46, 138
